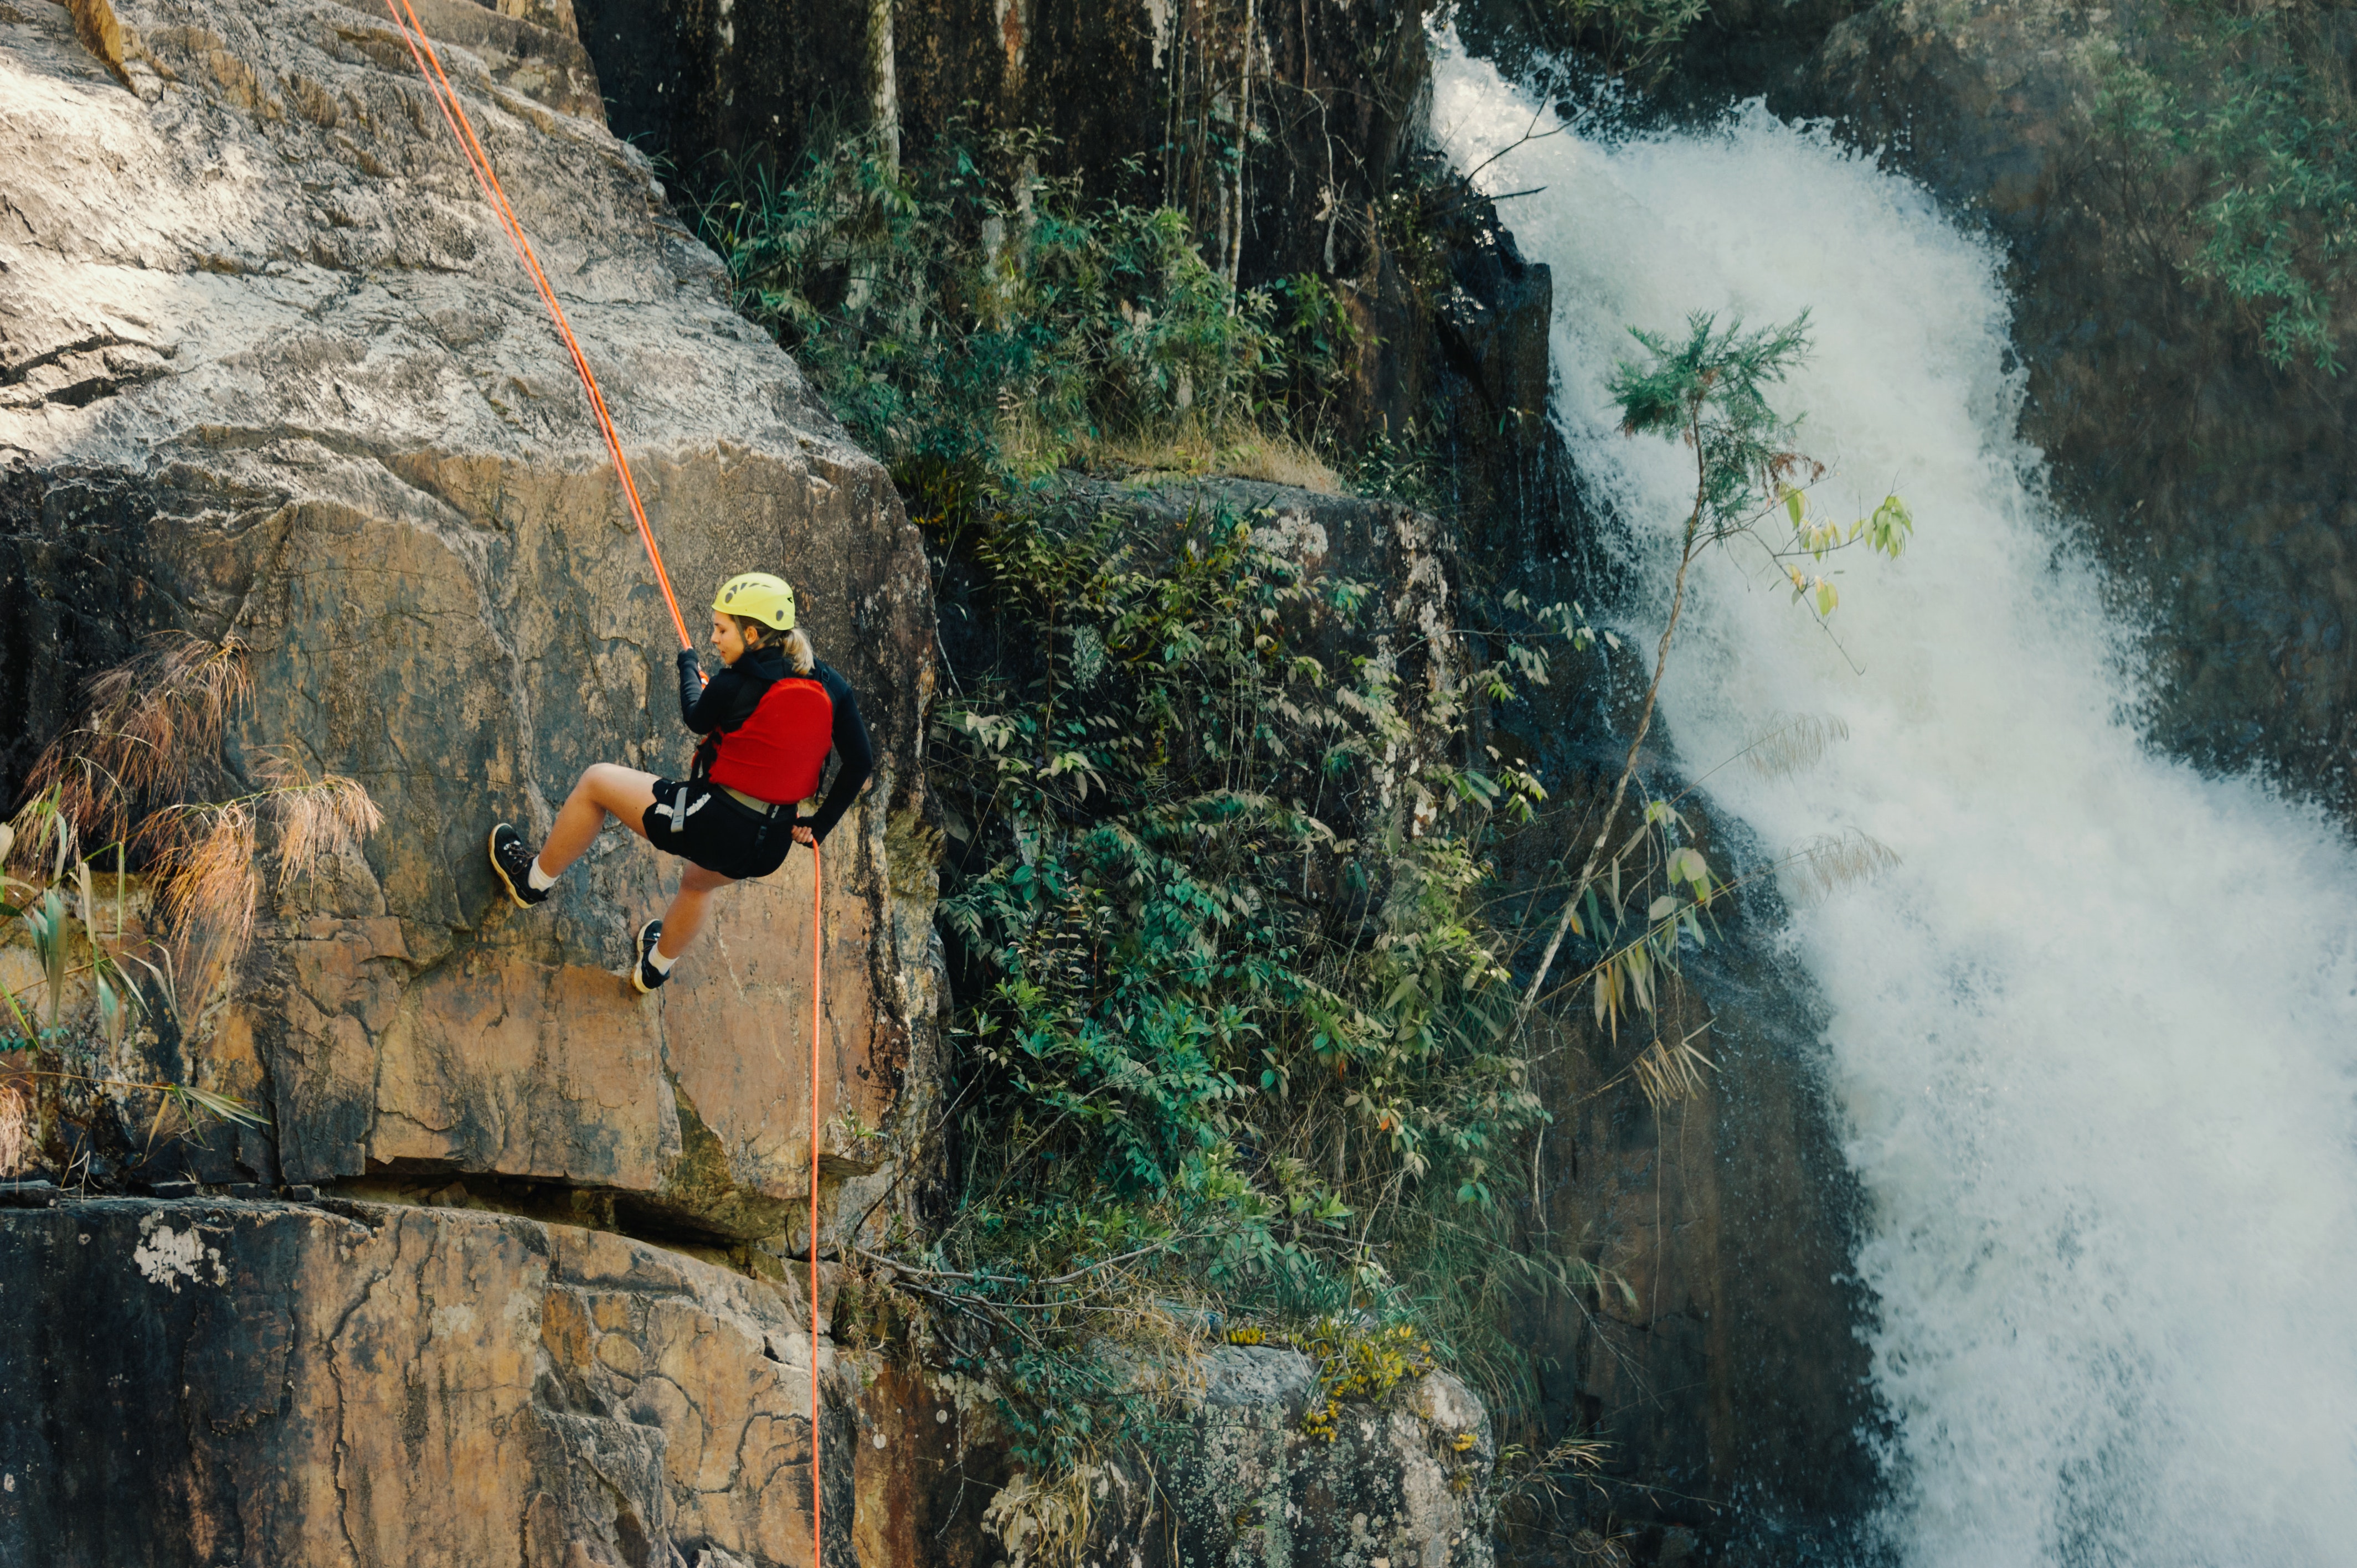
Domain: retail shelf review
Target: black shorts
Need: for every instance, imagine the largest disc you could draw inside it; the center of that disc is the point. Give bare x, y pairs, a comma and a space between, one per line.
697, 820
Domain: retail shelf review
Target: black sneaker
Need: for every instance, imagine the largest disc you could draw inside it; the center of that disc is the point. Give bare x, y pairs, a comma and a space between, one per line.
512, 864
644, 975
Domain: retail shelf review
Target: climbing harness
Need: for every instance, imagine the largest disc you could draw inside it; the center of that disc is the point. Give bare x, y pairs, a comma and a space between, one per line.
454, 113
462, 129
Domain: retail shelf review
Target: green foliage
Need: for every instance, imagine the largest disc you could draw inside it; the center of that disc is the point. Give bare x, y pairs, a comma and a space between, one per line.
1359, 1364
1707, 389
1316, 340
1234, 1031
1404, 468
2250, 103
1634, 40
952, 318
1354, 1363
1185, 929
1710, 389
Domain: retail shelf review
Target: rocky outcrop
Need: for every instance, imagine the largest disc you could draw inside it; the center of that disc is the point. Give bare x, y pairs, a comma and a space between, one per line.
1243, 1480
268, 373
272, 1384
206, 1382
2213, 483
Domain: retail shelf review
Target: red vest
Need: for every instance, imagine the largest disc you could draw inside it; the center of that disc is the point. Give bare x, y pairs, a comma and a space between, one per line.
779, 754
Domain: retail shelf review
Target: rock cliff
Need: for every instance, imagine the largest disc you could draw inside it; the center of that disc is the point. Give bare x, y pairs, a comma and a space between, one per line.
268, 373
353, 1383
265, 1383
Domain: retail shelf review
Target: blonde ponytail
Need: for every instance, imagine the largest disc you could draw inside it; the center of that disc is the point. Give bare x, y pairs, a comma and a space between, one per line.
794, 644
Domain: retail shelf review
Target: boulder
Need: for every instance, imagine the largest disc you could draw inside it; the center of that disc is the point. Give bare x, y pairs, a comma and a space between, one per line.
1401, 1480
1252, 1466
269, 372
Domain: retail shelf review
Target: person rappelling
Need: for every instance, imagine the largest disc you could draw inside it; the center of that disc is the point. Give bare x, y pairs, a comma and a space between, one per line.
768, 722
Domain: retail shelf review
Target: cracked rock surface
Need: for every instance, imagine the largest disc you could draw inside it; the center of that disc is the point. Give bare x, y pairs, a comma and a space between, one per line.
1398, 1484
267, 1383
269, 371
214, 1382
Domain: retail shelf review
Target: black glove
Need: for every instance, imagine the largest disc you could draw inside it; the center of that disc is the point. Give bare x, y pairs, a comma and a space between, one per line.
691, 685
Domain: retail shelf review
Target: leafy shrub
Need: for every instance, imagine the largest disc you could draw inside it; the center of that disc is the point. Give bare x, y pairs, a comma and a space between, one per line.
952, 317
1234, 1036
1220, 890
2249, 103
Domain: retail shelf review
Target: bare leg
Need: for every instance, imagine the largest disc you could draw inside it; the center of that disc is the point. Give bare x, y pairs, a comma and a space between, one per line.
605, 788
688, 908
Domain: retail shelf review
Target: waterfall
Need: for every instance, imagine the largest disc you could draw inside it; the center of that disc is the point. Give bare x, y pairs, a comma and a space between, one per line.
2091, 1040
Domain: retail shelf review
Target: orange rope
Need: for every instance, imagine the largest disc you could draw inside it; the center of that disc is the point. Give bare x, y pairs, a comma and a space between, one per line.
454, 113
818, 883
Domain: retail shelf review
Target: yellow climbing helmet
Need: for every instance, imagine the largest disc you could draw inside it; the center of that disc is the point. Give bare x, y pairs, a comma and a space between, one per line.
757, 596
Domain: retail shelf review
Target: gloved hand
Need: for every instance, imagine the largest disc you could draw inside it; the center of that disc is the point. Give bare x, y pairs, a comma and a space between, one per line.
691, 683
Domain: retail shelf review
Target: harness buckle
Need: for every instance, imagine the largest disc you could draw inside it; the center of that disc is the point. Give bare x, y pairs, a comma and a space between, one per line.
753, 803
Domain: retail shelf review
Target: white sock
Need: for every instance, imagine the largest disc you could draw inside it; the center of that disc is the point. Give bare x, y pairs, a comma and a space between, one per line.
540, 881
661, 964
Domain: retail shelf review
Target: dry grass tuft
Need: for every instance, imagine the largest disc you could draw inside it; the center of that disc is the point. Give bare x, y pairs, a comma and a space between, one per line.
1823, 866
1668, 1072
209, 869
150, 724
119, 779
1280, 460
121, 774
1787, 743
16, 1131
1044, 1523
1276, 460
319, 818
207, 857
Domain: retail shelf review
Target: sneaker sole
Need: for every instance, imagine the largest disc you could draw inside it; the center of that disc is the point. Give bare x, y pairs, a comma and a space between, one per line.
492, 847
639, 963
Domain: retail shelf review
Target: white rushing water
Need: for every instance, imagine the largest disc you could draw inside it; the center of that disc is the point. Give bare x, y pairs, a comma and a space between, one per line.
2091, 1039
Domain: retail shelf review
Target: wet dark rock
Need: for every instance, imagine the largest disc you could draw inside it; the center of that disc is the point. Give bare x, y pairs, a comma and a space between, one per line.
2215, 485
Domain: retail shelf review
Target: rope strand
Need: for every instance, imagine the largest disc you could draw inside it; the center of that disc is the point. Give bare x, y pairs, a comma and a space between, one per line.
478, 162
818, 884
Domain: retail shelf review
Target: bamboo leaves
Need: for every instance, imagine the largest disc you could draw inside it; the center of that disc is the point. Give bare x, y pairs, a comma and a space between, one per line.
1707, 389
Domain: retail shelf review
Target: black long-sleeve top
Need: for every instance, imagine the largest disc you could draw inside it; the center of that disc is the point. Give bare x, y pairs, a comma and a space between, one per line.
716, 706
